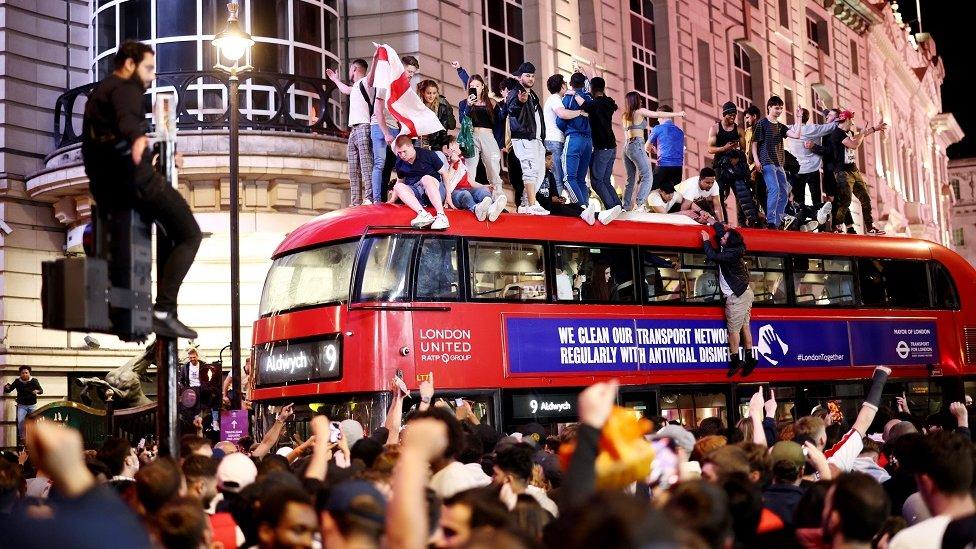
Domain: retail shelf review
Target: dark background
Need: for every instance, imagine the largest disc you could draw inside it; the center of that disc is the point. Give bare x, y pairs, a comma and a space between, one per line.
947, 21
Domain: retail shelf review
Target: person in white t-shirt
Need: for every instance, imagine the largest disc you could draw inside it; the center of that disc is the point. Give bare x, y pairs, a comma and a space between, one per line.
665, 199
359, 149
701, 194
943, 468
551, 110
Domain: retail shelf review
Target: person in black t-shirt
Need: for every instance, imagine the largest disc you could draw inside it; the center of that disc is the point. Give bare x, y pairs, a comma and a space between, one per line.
27, 388
841, 149
419, 183
121, 176
604, 146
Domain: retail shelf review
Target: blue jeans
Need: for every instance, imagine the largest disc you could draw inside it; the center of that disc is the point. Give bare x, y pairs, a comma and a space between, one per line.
379, 159
556, 148
467, 199
22, 412
576, 162
635, 160
777, 193
602, 166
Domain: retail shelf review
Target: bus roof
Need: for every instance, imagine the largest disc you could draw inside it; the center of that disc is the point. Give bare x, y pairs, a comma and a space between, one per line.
352, 222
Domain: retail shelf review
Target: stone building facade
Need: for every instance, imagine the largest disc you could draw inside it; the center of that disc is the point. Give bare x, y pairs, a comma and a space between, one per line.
691, 54
962, 184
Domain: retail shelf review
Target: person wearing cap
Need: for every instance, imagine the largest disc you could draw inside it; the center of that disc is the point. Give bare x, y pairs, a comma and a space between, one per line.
527, 124
842, 145
786, 461
768, 152
351, 514
636, 162
681, 437
725, 143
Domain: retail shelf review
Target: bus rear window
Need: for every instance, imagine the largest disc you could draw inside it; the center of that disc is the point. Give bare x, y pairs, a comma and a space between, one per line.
308, 278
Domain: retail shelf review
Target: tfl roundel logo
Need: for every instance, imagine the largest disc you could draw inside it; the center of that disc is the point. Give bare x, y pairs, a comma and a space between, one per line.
902, 349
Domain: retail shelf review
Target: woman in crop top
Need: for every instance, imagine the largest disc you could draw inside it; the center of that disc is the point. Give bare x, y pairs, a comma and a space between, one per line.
636, 160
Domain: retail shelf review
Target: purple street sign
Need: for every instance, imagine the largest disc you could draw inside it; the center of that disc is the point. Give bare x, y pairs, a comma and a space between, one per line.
233, 425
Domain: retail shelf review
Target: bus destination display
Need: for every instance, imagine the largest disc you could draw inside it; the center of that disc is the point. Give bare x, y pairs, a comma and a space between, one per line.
285, 363
544, 406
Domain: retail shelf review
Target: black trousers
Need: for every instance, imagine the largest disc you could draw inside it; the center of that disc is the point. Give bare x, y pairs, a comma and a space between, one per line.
515, 178
804, 180
116, 184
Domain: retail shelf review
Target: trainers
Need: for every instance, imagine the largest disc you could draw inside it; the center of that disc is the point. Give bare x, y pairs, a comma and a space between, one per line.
607, 216
481, 210
788, 221
823, 213
422, 221
749, 364
875, 232
367, 202
641, 209
165, 324
588, 214
524, 210
497, 207
735, 364
810, 226
440, 223
537, 209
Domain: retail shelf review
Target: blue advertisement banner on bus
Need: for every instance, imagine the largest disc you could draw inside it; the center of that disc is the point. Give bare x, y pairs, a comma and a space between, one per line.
584, 345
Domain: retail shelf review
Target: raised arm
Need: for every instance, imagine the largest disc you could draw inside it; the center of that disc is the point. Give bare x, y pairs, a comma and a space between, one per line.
394, 416
406, 517
858, 139
756, 417
660, 114
343, 87
321, 451
274, 433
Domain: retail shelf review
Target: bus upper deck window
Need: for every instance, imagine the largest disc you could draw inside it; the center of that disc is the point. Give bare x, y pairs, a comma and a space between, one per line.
663, 276
310, 277
767, 279
595, 274
437, 271
946, 296
894, 282
507, 270
385, 272
823, 281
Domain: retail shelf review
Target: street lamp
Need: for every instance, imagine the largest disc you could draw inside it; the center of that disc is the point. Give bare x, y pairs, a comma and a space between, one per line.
234, 44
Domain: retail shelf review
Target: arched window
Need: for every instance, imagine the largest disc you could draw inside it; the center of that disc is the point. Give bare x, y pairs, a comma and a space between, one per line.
742, 76
642, 49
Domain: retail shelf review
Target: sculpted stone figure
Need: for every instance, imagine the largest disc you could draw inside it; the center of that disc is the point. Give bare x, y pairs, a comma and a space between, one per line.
124, 382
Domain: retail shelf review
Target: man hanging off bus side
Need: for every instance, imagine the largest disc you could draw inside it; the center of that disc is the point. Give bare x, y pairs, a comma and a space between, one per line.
118, 162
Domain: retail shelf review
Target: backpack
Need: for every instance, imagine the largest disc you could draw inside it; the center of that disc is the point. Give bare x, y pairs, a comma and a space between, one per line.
465, 137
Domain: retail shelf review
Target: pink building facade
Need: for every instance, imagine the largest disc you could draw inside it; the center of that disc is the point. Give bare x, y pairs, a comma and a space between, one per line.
695, 55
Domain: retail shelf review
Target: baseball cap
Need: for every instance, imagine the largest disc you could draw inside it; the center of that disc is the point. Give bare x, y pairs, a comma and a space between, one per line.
729, 108
786, 450
525, 68
235, 472
352, 430
845, 115
681, 436
533, 429
345, 498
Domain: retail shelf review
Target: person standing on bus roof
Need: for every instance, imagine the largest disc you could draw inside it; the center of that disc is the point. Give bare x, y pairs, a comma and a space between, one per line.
733, 279
527, 125
842, 145
419, 183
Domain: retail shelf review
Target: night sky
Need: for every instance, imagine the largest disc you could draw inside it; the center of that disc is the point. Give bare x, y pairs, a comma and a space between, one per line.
948, 22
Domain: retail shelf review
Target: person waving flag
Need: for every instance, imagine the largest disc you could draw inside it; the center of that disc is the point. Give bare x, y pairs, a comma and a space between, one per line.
402, 101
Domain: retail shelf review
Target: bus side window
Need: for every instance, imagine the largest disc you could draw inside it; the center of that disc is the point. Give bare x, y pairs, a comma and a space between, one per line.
513, 271
946, 296
767, 279
597, 274
700, 278
663, 281
385, 271
437, 271
894, 282
823, 281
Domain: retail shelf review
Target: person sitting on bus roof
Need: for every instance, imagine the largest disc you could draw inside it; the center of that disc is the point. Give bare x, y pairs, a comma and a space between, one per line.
733, 279
550, 199
419, 183
464, 193
700, 194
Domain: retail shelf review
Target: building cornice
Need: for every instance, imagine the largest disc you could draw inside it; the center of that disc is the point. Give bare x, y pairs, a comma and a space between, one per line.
946, 129
856, 14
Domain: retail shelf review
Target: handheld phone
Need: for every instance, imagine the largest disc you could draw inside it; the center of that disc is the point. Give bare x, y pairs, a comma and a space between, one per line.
335, 433
459, 402
142, 443
664, 470
473, 91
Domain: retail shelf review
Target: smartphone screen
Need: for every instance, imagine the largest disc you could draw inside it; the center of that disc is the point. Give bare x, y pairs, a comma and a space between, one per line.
335, 433
664, 470
472, 91
459, 402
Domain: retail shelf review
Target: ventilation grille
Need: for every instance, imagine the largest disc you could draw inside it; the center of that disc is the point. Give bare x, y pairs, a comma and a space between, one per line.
969, 344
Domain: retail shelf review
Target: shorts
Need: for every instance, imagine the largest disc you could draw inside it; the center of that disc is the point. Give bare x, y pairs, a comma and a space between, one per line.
421, 193
667, 176
738, 309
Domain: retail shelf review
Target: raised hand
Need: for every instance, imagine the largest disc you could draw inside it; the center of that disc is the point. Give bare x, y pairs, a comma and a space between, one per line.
285, 413
456, 64
770, 405
426, 436
596, 403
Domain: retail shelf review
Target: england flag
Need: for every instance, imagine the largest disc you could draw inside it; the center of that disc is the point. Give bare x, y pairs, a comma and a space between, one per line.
401, 99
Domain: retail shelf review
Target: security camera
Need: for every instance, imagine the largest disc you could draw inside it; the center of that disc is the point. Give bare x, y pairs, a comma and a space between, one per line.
91, 342
7, 229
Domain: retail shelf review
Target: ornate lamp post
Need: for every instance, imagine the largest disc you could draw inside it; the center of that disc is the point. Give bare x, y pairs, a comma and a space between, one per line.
233, 44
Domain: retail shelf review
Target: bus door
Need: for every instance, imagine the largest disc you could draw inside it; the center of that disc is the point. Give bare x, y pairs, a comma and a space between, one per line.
691, 404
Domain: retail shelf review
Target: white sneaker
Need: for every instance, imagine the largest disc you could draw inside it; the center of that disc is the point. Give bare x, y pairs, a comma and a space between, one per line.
589, 215
641, 209
440, 223
367, 202
537, 209
810, 226
524, 210
497, 207
422, 221
823, 213
607, 216
481, 210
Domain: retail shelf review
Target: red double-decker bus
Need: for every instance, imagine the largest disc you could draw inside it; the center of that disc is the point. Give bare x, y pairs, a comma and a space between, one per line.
520, 314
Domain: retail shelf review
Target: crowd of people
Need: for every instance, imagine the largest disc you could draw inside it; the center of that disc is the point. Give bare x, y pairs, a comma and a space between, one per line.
796, 177
440, 476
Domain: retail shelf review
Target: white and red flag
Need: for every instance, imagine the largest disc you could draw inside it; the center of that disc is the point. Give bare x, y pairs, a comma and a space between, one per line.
401, 99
